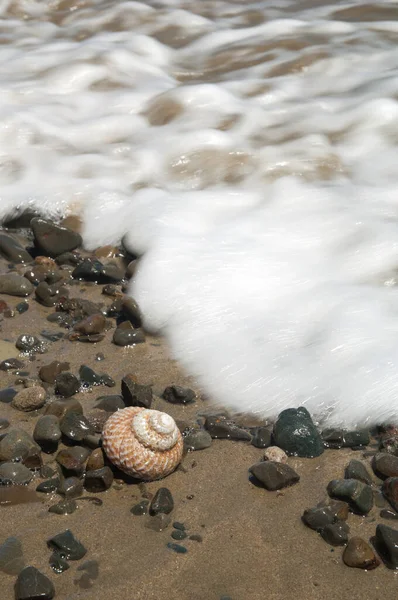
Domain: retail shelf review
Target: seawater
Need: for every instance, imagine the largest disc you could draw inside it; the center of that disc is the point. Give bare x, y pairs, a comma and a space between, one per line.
249, 152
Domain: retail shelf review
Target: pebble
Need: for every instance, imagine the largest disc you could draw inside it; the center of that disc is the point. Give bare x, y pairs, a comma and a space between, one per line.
91, 269
18, 445
12, 250
197, 439
336, 534
275, 454
11, 556
387, 545
158, 522
67, 545
178, 535
54, 239
295, 432
66, 384
126, 335
63, 507
357, 470
196, 537
12, 284
4, 424
29, 399
57, 563
61, 407
72, 460
75, 426
12, 473
135, 394
261, 437
359, 554
220, 427
340, 438
390, 491
47, 432
99, 480
385, 465
162, 502
30, 343
387, 513
96, 460
110, 403
10, 364
31, 584
70, 487
90, 325
178, 525
131, 311
318, 517
176, 394
7, 395
142, 508
48, 486
273, 475
177, 548
22, 307
49, 295
358, 495
90, 378
49, 372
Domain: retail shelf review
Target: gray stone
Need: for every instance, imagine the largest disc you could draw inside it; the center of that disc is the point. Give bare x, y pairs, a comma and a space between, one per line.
63, 507
66, 384
176, 394
358, 495
48, 373
126, 335
197, 439
385, 465
12, 284
12, 473
318, 517
75, 426
47, 430
66, 544
336, 534
33, 585
357, 470
295, 432
60, 407
220, 427
70, 487
262, 437
54, 239
18, 445
135, 394
273, 475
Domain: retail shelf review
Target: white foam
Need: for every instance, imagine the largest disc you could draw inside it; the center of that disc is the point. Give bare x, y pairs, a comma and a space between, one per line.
253, 165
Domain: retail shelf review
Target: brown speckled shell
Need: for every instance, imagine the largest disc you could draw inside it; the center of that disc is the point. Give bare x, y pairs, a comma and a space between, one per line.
133, 458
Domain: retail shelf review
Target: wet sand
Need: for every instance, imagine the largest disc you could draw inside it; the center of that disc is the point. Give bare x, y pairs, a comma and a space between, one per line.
254, 543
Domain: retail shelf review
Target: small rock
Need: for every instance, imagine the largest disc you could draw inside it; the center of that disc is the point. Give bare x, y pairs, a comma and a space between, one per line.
50, 295
96, 460
197, 439
11, 556
110, 403
12, 284
178, 535
387, 545
158, 522
275, 454
357, 470
12, 473
49, 373
72, 460
142, 508
390, 491
49, 486
47, 432
67, 545
61, 407
97, 419
176, 394
30, 343
221, 427
196, 537
99, 480
178, 525
18, 445
63, 507
126, 335
318, 517
54, 239
357, 494
12, 250
7, 395
177, 548
29, 399
4, 424
336, 534
385, 465
22, 307
340, 438
57, 563
359, 554
387, 513
33, 585
261, 437
91, 325
70, 487
10, 364
66, 384
273, 475
295, 432
91, 269
162, 502
135, 394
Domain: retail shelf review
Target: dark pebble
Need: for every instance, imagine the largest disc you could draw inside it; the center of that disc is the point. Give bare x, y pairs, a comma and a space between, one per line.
126, 335
162, 502
387, 513
177, 548
10, 364
142, 508
295, 432
176, 394
131, 311
31, 584
49, 295
273, 475
385, 465
196, 537
96, 460
7, 395
54, 239
178, 525
52, 336
57, 563
66, 384
12, 250
197, 439
390, 491
340, 438
11, 556
110, 403
70, 487
63, 507
22, 307
62, 406
4, 424
48, 486
75, 426
336, 534
18, 445
178, 535
12, 473
358, 495
97, 419
72, 460
135, 394
221, 427
261, 437
318, 517
47, 432
91, 269
99, 480
89, 377
357, 470
387, 545
67, 545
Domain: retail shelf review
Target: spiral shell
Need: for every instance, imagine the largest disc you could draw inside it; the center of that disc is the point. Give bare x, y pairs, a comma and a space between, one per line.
143, 443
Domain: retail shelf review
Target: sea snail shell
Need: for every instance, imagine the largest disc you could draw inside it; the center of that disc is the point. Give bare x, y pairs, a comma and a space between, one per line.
143, 443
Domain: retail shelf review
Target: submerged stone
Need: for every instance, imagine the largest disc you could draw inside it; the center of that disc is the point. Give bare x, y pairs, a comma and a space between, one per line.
31, 584
67, 545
